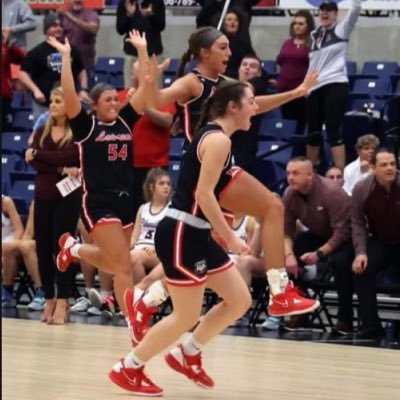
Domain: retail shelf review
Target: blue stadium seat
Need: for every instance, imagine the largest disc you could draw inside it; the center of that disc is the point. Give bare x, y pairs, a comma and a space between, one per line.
395, 84
270, 174
9, 163
174, 169
380, 68
117, 80
167, 80
101, 76
25, 176
278, 129
21, 101
173, 66
15, 142
175, 148
351, 67
23, 121
281, 157
110, 65
269, 66
274, 114
372, 87
23, 190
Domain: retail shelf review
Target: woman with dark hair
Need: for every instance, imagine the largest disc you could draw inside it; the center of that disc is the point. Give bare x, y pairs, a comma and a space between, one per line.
232, 27
53, 153
105, 147
192, 260
293, 65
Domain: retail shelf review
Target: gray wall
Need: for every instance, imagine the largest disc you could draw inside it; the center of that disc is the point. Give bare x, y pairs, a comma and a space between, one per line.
373, 38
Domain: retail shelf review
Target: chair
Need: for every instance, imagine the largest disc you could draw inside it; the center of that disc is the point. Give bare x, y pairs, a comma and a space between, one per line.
270, 174
23, 121
167, 80
14, 142
9, 163
395, 84
21, 101
101, 76
117, 80
351, 67
278, 129
110, 65
269, 66
380, 68
173, 66
372, 87
277, 151
22, 190
174, 169
175, 148
16, 176
273, 114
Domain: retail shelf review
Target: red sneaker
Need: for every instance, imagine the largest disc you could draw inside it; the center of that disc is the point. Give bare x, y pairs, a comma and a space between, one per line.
64, 257
138, 316
190, 366
135, 381
290, 303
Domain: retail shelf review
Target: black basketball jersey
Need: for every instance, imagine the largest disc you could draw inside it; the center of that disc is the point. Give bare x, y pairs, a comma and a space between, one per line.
184, 196
189, 113
105, 151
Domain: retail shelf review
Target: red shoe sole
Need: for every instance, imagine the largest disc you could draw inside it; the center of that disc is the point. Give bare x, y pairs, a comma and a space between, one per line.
294, 312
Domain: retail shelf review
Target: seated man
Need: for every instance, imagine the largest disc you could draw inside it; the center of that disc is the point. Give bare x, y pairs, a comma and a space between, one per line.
375, 219
323, 207
360, 168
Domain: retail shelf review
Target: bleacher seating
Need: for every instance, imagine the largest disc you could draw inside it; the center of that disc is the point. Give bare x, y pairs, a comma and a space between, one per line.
15, 142
371, 86
274, 150
277, 129
24, 190
174, 169
175, 148
22, 121
382, 69
269, 66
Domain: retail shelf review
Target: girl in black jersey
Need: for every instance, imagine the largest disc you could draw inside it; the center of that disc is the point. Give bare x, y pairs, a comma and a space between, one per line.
104, 140
192, 260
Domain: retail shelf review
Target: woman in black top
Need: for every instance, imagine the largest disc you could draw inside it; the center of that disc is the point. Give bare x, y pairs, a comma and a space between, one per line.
192, 260
105, 148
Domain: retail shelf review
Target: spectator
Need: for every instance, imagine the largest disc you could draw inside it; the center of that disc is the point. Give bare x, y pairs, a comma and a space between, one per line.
10, 53
41, 68
324, 208
16, 20
53, 154
15, 250
211, 11
293, 65
157, 190
334, 173
244, 144
376, 235
232, 28
328, 99
361, 167
80, 25
151, 138
146, 16
12, 229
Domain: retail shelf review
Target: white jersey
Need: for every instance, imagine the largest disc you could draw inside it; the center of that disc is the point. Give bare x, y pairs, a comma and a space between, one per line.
240, 230
149, 222
7, 229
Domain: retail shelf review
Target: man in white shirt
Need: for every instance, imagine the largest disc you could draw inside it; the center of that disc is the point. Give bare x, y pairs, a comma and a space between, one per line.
361, 167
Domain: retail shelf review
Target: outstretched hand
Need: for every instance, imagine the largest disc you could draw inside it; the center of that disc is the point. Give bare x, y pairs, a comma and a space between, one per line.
309, 81
136, 39
63, 48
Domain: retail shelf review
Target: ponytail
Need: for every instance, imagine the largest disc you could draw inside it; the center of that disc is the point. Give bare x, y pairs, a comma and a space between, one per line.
187, 55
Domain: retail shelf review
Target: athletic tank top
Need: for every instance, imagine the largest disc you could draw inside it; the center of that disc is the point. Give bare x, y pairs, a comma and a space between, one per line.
240, 230
183, 198
189, 113
149, 222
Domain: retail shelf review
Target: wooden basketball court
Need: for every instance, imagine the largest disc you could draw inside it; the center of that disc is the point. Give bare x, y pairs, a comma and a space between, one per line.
71, 362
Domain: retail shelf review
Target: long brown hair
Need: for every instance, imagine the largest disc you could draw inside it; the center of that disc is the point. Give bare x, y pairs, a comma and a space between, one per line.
202, 38
50, 123
151, 179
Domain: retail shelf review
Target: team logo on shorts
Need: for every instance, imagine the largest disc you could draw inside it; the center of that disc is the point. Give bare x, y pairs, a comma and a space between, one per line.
200, 267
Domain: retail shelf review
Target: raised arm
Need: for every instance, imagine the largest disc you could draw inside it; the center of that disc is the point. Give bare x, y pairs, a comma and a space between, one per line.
71, 99
269, 102
347, 24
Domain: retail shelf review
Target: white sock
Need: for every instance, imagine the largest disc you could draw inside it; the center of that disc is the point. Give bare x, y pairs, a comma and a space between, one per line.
130, 361
191, 346
87, 290
74, 250
155, 294
277, 280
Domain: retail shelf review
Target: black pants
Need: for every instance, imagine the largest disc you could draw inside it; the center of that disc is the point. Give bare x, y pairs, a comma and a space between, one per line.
380, 256
51, 219
327, 105
340, 260
296, 110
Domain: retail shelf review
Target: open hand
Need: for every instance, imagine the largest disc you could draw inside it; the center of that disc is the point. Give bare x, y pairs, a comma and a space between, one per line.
136, 39
63, 48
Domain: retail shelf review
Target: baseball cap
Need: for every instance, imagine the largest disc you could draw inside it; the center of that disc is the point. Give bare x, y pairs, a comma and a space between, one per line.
329, 6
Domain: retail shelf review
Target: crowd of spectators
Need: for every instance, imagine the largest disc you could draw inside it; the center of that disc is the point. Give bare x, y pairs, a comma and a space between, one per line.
351, 224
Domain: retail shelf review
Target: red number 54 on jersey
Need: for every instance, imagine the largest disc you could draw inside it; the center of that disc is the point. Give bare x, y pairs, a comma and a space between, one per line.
114, 153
